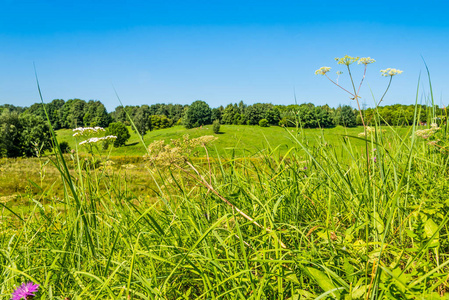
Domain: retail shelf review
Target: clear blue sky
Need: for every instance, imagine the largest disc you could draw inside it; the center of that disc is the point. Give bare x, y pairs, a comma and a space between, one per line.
217, 51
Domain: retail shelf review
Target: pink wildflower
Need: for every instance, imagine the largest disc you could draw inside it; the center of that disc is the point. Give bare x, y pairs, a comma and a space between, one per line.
25, 291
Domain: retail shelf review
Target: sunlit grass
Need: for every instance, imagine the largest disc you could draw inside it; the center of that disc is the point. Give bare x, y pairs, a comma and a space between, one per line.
243, 140
320, 222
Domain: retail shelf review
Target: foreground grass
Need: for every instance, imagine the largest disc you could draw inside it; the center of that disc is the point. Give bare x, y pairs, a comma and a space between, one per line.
323, 220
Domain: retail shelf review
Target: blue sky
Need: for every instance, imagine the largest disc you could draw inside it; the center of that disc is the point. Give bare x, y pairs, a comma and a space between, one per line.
218, 51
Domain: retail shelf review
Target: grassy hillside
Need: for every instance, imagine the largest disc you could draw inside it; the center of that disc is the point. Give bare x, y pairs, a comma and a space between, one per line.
244, 140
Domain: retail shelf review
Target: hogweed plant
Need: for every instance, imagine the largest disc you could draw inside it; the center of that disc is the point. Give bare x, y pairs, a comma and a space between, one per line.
355, 94
92, 141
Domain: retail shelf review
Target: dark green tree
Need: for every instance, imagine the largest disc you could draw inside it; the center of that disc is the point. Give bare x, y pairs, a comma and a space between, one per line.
273, 116
160, 122
347, 116
22, 135
53, 110
242, 107
175, 112
10, 139
120, 114
35, 134
324, 116
72, 113
120, 131
12, 108
307, 116
142, 119
96, 114
229, 114
239, 119
254, 113
217, 113
198, 114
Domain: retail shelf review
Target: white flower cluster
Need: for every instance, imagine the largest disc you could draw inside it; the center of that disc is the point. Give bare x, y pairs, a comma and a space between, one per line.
390, 72
366, 60
369, 131
346, 60
85, 131
426, 133
322, 70
95, 139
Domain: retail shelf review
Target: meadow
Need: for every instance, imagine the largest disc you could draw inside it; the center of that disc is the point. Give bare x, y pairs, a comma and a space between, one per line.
22, 176
256, 214
248, 213
243, 140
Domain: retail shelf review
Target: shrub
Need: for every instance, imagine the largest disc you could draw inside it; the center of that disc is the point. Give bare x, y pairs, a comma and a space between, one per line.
263, 123
160, 122
283, 122
119, 130
20, 135
64, 146
216, 126
273, 116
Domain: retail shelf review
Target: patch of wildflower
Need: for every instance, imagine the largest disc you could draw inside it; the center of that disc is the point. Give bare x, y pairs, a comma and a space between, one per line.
98, 139
366, 60
191, 144
346, 60
129, 166
322, 70
87, 131
390, 72
108, 163
177, 151
25, 291
427, 133
369, 131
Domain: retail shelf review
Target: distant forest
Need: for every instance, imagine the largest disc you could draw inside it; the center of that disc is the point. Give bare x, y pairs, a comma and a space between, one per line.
24, 131
80, 113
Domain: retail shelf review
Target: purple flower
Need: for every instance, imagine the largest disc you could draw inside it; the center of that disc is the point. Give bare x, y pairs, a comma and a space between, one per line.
25, 291
375, 159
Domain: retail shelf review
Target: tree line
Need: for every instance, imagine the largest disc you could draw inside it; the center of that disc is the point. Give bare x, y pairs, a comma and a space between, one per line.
22, 127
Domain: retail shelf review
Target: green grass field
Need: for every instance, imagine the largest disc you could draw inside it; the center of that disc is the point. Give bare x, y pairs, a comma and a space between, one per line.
18, 176
241, 139
328, 217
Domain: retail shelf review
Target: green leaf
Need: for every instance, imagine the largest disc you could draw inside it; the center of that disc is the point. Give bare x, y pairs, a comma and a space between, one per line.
359, 292
323, 280
378, 223
431, 230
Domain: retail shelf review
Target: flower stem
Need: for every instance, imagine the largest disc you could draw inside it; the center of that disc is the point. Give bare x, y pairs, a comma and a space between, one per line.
356, 97
339, 85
